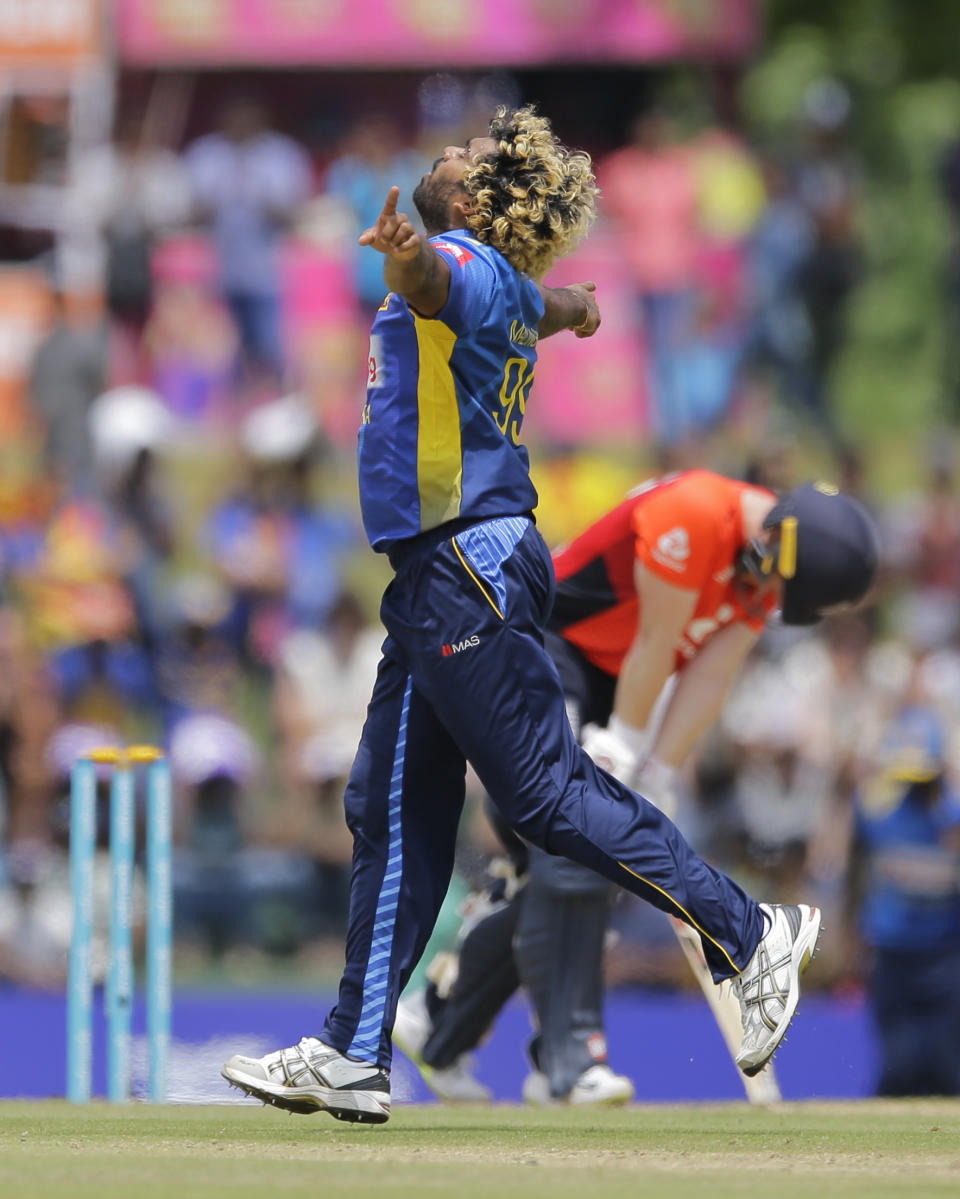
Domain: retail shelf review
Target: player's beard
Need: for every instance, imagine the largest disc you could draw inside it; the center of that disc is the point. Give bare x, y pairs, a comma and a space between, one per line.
432, 201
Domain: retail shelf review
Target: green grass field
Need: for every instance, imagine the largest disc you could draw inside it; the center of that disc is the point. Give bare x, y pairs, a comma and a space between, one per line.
870, 1149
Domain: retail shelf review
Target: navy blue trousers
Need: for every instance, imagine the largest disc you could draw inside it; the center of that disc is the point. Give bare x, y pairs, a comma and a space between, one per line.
915, 997
465, 677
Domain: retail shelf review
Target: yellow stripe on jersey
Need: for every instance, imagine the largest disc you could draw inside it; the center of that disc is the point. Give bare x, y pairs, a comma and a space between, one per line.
439, 452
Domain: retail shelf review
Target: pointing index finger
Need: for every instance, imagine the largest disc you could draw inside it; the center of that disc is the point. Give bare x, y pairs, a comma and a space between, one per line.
390, 203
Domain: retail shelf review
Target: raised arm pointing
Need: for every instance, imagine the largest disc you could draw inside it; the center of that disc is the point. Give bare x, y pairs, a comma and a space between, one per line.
413, 269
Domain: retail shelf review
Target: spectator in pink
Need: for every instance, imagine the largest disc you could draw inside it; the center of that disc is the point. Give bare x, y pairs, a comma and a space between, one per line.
650, 189
730, 199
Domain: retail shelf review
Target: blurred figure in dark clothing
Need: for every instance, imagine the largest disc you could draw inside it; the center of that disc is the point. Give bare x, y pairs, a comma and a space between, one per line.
198, 669
828, 183
212, 760
130, 430
779, 245
950, 187
907, 848
124, 196
68, 373
922, 534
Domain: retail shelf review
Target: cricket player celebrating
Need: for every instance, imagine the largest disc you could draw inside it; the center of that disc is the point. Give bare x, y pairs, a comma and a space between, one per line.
446, 494
676, 583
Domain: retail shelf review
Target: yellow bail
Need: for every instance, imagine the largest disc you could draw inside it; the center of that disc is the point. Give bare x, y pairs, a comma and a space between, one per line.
787, 555
105, 755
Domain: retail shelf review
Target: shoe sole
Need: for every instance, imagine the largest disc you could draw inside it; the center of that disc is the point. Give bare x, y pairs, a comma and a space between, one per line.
801, 955
307, 1100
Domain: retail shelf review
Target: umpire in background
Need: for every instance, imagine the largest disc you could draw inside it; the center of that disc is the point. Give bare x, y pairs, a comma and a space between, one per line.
906, 881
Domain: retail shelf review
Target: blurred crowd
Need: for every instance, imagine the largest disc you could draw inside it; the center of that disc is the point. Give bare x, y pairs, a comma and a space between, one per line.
181, 560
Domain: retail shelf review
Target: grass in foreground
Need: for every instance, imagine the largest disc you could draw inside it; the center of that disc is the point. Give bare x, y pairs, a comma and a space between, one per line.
871, 1149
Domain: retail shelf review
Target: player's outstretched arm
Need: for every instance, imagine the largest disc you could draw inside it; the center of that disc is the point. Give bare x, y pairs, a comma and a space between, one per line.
573, 307
413, 268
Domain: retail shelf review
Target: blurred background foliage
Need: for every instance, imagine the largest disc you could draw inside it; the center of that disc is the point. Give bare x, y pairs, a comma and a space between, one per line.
895, 376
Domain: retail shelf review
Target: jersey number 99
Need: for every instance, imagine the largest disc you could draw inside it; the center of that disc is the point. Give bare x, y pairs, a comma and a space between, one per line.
517, 378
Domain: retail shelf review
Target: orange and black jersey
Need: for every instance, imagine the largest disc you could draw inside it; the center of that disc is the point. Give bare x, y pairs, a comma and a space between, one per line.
686, 528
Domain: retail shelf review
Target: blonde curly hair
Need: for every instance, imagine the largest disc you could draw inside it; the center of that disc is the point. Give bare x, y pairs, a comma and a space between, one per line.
533, 199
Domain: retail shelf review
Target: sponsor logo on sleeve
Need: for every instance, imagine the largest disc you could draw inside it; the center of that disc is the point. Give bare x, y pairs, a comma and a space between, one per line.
461, 255
375, 362
673, 549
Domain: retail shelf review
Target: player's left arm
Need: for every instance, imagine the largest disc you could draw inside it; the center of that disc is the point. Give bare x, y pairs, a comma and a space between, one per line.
573, 307
701, 688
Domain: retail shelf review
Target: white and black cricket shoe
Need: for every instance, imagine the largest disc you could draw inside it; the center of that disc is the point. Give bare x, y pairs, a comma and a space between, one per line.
314, 1077
769, 986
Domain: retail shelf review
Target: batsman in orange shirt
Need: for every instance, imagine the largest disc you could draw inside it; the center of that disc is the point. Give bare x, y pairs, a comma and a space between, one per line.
674, 584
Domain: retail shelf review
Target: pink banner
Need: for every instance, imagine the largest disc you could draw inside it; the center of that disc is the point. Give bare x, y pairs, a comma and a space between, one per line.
449, 33
593, 389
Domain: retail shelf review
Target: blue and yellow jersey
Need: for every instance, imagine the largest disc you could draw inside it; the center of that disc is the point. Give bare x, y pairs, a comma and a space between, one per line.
440, 438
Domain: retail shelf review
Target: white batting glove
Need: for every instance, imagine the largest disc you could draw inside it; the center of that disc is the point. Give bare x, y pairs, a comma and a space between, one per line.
655, 782
610, 752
